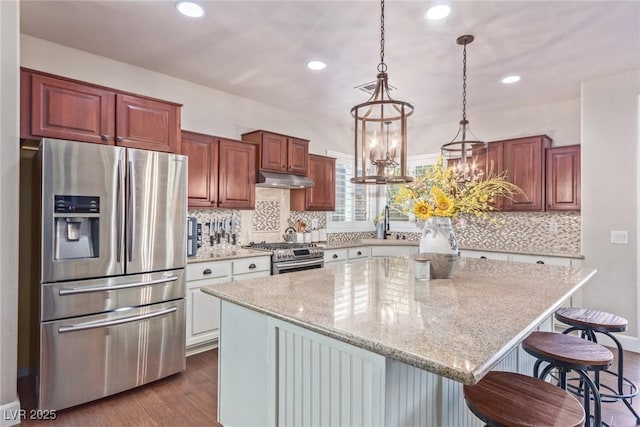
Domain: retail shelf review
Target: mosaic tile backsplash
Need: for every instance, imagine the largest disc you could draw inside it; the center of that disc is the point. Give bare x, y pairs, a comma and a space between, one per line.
531, 232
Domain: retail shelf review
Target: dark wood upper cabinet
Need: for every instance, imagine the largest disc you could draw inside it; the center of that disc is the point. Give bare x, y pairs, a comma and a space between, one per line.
524, 161
222, 172
237, 174
66, 110
202, 152
56, 107
280, 153
147, 124
298, 156
321, 197
563, 178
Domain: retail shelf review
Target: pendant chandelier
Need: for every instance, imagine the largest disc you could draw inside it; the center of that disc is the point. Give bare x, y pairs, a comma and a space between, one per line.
381, 131
468, 157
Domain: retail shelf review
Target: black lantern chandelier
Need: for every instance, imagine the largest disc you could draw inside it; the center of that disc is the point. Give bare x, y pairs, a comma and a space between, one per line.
381, 131
468, 157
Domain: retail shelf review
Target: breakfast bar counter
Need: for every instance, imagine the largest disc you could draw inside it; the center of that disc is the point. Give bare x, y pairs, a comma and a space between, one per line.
348, 340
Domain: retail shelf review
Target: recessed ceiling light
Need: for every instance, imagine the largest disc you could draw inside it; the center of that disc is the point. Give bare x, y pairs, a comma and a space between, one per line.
190, 9
316, 65
511, 79
439, 11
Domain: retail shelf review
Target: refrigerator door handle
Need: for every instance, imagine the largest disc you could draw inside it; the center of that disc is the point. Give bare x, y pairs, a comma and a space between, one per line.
130, 202
120, 233
73, 291
84, 327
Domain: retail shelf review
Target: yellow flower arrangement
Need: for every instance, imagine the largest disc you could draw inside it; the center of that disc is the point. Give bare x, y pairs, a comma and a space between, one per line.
447, 192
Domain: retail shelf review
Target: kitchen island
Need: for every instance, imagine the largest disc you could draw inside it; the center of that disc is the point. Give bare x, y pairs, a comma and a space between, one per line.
363, 343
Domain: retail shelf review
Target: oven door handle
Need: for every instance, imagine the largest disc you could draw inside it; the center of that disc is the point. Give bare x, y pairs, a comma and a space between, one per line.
299, 263
73, 291
84, 327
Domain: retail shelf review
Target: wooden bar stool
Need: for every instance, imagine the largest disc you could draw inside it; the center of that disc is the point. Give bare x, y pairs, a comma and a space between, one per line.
514, 400
570, 353
589, 322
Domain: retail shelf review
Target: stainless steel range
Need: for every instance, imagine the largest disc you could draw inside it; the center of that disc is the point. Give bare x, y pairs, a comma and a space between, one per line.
290, 257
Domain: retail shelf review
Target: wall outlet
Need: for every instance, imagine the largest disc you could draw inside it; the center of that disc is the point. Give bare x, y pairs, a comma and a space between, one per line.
620, 237
553, 227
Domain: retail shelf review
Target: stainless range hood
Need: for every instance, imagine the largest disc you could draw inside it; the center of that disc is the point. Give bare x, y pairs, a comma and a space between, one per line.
282, 180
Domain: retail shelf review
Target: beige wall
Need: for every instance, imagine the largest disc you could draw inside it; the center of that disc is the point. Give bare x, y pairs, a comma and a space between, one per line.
9, 98
610, 192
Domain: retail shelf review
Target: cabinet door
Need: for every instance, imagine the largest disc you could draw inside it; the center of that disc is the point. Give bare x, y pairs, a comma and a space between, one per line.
321, 197
67, 110
147, 124
237, 174
273, 153
203, 313
524, 162
202, 152
297, 156
322, 170
563, 178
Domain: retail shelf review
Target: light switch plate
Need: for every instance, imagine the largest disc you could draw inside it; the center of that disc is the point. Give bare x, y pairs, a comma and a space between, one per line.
620, 237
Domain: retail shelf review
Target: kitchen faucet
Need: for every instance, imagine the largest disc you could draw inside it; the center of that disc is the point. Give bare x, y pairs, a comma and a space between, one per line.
387, 224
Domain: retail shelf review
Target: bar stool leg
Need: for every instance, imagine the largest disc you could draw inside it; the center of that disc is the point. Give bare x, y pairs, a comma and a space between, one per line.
591, 336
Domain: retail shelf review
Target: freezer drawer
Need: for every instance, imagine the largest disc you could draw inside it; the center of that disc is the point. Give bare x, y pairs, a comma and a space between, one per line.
120, 350
83, 297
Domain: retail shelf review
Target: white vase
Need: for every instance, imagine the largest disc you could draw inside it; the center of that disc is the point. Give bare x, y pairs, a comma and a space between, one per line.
439, 243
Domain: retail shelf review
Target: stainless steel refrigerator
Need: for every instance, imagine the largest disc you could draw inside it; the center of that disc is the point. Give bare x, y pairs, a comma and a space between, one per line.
113, 257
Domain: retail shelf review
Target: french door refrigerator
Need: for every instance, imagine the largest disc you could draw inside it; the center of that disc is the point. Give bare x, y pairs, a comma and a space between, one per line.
113, 256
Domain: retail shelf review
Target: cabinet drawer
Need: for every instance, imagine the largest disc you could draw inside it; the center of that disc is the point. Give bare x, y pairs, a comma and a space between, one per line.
251, 265
208, 270
363, 252
335, 255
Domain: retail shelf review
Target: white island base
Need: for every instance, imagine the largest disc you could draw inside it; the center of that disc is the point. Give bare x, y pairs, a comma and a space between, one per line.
272, 372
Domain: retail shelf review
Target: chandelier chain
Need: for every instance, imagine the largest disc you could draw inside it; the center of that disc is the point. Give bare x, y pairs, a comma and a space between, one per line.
464, 83
382, 67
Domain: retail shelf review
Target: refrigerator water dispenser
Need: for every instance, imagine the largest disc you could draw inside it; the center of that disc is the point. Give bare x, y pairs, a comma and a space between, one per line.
76, 227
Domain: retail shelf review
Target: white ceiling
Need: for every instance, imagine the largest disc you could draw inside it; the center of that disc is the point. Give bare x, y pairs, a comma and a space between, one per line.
258, 49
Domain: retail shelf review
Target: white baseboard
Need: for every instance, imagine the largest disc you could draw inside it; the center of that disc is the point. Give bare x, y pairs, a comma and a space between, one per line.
199, 348
11, 414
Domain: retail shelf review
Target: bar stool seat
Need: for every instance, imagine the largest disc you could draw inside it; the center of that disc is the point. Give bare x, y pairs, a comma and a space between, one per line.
515, 400
570, 353
589, 322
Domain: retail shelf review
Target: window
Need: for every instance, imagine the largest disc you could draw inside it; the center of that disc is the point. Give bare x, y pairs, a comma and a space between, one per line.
357, 205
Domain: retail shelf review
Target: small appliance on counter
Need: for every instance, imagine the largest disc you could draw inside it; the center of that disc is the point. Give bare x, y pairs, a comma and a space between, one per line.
194, 236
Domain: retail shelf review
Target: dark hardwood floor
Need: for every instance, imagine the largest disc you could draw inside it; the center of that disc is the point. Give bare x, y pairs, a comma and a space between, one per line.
191, 399
186, 399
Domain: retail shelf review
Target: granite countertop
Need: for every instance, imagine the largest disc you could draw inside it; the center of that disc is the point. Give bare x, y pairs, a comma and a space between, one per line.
205, 256
458, 328
528, 252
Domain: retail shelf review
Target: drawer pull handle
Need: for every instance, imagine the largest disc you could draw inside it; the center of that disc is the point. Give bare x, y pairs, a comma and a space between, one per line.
483, 257
207, 271
359, 252
335, 256
104, 137
252, 266
119, 139
539, 262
